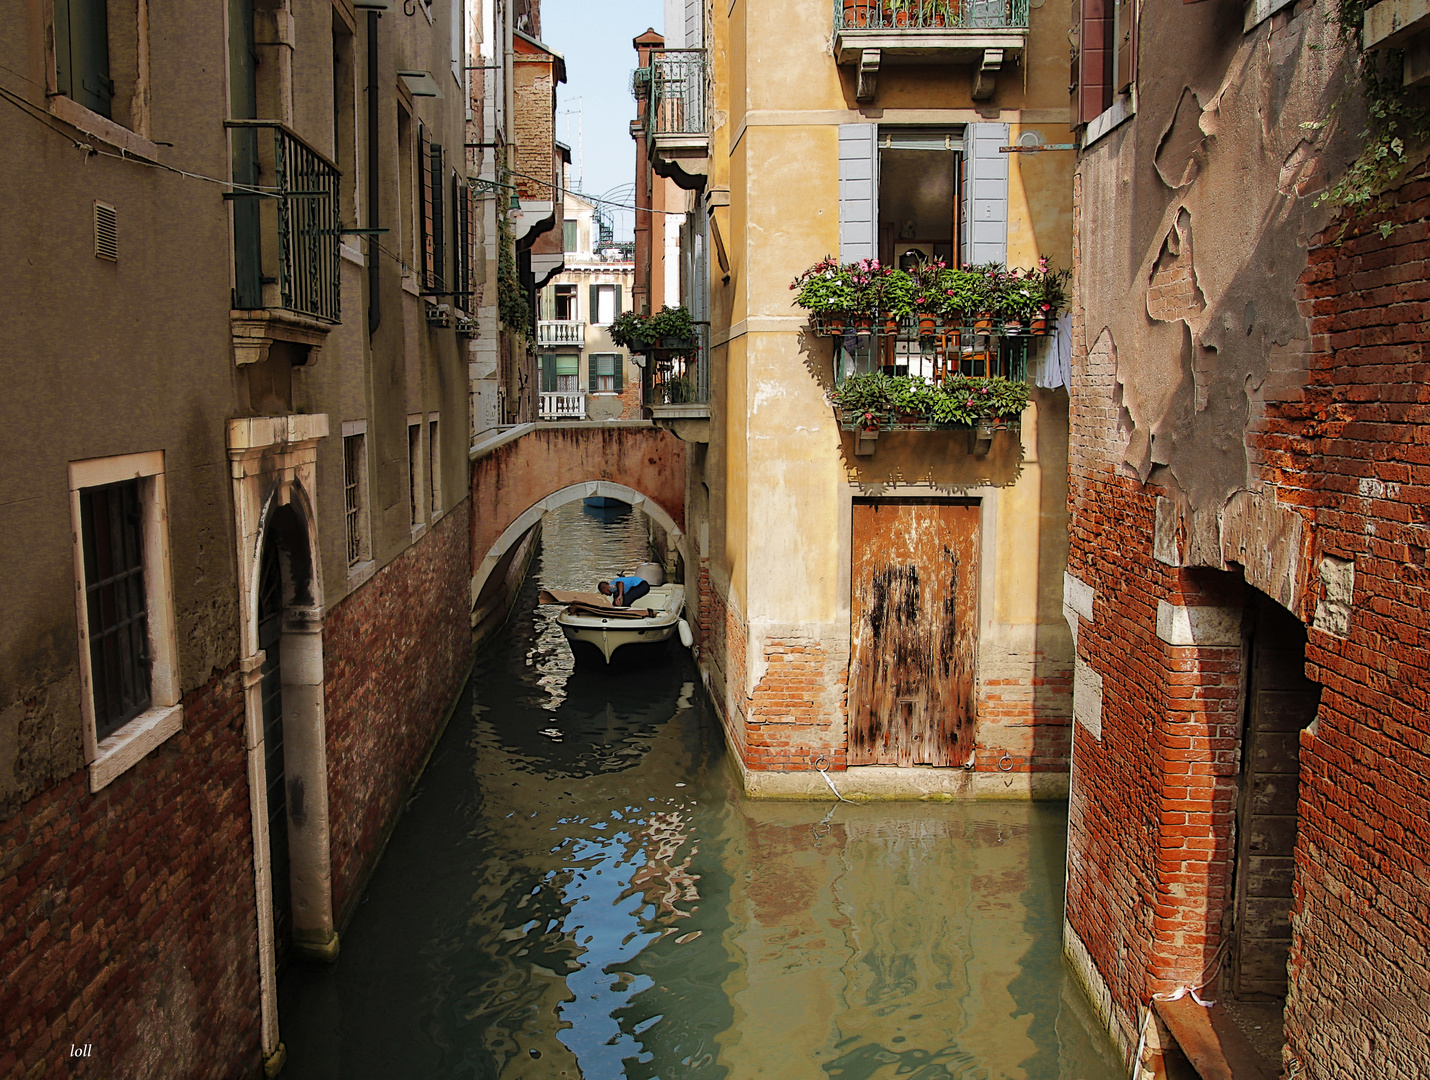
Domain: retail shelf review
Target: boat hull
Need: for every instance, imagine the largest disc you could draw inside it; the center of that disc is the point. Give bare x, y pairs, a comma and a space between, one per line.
610, 635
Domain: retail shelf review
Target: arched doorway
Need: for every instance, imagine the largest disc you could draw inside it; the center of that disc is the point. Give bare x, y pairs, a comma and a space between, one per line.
270, 637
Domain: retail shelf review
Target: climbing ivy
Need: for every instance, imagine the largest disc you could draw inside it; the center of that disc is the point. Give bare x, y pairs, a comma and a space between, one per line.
1398, 120
513, 308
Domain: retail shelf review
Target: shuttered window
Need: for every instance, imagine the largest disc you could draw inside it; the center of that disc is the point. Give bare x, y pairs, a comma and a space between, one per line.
462, 238
858, 191
1097, 48
605, 304
604, 375
82, 53
984, 219
432, 248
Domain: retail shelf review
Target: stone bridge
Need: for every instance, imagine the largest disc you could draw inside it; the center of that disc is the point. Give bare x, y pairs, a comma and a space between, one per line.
521, 473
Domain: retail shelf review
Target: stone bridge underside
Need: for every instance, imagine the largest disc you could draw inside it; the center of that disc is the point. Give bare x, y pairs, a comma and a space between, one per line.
521, 474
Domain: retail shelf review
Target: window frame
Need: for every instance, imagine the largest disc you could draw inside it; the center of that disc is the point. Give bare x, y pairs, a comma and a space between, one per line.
357, 429
132, 136
122, 749
416, 476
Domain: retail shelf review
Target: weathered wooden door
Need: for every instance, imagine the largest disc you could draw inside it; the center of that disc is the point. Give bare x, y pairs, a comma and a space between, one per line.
1280, 702
914, 631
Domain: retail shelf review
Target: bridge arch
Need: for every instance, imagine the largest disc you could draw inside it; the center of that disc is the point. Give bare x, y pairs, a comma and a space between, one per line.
569, 494
520, 474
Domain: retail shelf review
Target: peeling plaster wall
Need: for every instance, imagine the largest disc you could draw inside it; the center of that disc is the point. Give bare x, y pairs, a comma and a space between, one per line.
1201, 209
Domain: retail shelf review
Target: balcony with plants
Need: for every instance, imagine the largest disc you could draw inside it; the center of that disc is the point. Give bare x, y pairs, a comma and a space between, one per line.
676, 380
985, 33
934, 348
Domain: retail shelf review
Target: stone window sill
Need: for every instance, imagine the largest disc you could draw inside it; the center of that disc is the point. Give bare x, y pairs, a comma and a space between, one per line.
129, 745
1116, 114
360, 572
101, 127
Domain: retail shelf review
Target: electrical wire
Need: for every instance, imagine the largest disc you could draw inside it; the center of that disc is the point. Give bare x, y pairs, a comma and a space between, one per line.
90, 150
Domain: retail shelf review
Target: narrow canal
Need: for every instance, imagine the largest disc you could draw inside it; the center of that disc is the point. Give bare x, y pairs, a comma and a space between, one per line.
577, 889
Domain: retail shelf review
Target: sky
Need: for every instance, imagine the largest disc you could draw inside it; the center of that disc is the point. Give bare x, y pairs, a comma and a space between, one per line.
595, 38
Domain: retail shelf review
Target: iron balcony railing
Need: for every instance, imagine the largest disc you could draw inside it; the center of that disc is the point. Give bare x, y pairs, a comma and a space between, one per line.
286, 233
952, 349
930, 15
560, 332
679, 92
680, 376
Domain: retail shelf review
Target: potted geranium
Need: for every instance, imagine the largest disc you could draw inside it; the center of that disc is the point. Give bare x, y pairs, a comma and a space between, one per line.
629, 331
926, 278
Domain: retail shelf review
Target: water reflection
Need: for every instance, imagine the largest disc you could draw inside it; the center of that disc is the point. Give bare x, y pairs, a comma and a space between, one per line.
578, 890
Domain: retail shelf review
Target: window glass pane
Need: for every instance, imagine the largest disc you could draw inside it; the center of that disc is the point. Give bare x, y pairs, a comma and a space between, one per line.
605, 363
567, 363
569, 228
111, 519
606, 297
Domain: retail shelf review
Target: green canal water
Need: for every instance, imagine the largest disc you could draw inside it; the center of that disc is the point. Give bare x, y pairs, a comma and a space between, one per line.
578, 889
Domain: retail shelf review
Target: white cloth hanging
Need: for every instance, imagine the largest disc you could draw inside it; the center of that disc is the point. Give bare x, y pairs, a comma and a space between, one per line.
1055, 366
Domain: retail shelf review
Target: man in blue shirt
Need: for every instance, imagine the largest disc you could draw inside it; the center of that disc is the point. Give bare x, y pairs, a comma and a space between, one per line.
624, 591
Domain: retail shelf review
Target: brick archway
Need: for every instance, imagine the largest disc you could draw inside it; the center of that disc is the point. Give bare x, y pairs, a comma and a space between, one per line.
530, 470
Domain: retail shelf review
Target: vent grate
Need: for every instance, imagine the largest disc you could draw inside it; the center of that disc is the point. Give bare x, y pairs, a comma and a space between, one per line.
106, 232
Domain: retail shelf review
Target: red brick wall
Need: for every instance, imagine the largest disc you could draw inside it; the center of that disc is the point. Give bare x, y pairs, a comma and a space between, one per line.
1153, 803
1356, 452
128, 915
395, 653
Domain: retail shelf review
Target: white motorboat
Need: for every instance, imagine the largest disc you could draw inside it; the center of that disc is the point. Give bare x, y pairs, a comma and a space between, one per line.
590, 617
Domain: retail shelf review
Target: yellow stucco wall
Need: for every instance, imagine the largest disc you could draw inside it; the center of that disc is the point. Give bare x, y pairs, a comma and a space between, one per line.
788, 471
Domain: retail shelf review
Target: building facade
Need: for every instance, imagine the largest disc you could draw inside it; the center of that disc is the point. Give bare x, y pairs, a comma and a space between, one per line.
234, 464
799, 131
584, 374
1246, 576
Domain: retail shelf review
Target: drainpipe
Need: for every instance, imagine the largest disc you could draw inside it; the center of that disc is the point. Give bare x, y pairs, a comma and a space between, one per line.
509, 75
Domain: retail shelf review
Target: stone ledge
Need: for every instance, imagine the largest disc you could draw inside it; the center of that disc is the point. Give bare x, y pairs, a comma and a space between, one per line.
889, 783
260, 432
129, 745
1212, 627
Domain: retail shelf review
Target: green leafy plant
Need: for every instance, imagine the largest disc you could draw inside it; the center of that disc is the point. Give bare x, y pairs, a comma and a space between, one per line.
824, 289
866, 393
670, 322
1398, 120
895, 295
513, 304
628, 331
963, 400
1054, 289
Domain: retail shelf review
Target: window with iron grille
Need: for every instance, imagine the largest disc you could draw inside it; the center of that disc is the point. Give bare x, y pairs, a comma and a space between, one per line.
355, 496
116, 605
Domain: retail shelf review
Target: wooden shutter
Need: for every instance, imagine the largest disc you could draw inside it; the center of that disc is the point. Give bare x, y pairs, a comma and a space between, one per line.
82, 53
618, 364
616, 306
548, 373
461, 235
1125, 41
595, 305
984, 215
593, 375
858, 191
694, 24
424, 210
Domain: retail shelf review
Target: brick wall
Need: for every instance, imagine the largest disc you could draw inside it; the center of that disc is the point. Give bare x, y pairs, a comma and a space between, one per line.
1355, 452
395, 653
128, 915
1346, 443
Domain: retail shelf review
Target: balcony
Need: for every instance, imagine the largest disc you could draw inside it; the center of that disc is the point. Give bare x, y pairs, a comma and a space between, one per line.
679, 120
560, 332
677, 387
562, 406
285, 240
984, 33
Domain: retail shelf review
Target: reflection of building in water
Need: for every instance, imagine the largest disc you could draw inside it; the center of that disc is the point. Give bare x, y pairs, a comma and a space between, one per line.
663, 881
877, 944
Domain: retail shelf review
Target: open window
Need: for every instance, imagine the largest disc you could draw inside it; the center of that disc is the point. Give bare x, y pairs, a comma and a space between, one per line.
99, 71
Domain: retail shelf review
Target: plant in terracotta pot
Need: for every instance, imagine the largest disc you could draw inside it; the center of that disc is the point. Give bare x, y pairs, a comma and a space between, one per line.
1020, 297
824, 291
895, 298
1055, 290
965, 400
984, 294
864, 398
911, 398
928, 298
865, 286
